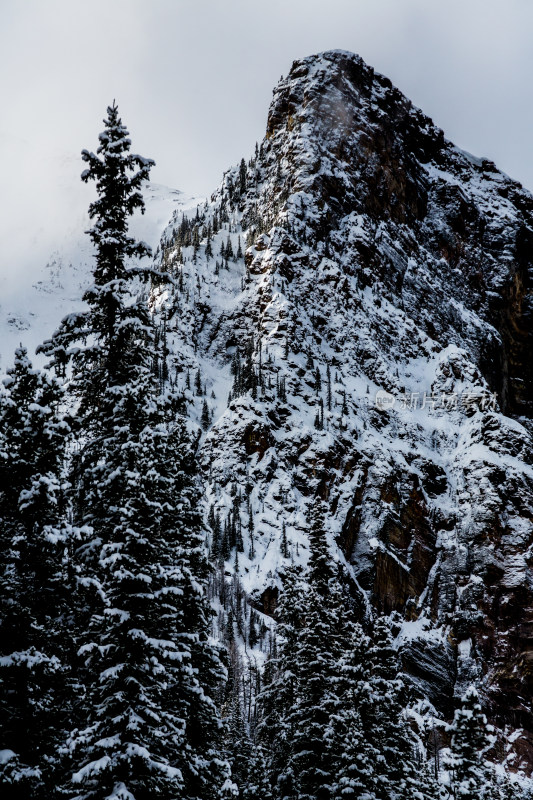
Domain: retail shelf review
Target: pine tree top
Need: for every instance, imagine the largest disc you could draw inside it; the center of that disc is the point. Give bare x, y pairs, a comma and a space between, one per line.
119, 176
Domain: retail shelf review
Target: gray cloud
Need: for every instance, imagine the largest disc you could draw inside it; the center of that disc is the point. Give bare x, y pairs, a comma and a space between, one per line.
193, 80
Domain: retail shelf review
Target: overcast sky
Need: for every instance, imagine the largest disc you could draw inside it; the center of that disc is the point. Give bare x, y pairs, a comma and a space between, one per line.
194, 78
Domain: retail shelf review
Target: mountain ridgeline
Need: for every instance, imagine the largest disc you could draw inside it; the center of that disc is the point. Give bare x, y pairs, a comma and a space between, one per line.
359, 252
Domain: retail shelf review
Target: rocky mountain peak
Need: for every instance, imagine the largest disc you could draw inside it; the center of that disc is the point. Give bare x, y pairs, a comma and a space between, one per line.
372, 346
359, 147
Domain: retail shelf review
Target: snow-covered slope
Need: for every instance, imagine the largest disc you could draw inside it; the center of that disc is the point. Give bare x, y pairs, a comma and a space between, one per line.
31, 308
378, 261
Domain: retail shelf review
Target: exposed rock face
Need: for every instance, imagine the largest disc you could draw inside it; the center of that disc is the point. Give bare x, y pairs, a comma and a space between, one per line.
378, 248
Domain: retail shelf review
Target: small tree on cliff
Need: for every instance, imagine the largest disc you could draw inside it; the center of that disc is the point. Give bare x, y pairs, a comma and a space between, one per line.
471, 738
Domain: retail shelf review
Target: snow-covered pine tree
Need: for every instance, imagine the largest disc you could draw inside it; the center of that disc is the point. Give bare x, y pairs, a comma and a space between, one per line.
277, 699
148, 722
332, 710
257, 786
98, 340
239, 746
242, 177
353, 777
317, 654
153, 673
34, 584
382, 711
470, 739
369, 739
354, 756
205, 418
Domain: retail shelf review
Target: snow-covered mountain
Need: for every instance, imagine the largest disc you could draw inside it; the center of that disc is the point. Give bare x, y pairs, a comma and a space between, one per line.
374, 340
350, 314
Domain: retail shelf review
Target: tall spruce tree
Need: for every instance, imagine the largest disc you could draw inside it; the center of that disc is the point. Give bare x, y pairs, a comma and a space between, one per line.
240, 749
257, 785
148, 724
153, 728
99, 340
34, 585
332, 707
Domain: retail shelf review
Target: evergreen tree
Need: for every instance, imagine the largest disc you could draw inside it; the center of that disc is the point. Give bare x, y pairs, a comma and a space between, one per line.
152, 670
198, 383
34, 583
355, 758
98, 341
205, 416
208, 247
382, 711
321, 573
317, 654
469, 743
332, 710
229, 249
195, 242
277, 700
248, 760
344, 410
238, 744
217, 536
242, 176
253, 637
318, 380
353, 772
284, 543
225, 550
257, 785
